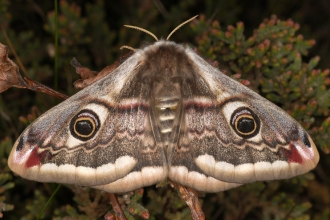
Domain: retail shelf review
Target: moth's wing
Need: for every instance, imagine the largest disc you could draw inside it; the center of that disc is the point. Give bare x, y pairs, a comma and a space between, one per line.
96, 137
196, 118
232, 134
136, 138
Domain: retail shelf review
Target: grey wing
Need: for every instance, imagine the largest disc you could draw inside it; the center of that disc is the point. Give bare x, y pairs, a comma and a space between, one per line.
94, 138
197, 136
232, 134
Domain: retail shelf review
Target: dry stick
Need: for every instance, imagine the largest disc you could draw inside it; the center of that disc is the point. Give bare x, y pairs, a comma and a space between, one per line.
190, 196
119, 214
38, 87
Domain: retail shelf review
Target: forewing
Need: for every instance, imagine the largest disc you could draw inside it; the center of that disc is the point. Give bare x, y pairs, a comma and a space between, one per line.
96, 137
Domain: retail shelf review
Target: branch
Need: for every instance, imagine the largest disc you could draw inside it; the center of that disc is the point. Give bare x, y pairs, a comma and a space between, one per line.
190, 196
119, 214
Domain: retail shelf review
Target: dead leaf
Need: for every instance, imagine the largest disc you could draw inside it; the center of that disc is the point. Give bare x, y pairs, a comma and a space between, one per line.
9, 73
88, 76
10, 77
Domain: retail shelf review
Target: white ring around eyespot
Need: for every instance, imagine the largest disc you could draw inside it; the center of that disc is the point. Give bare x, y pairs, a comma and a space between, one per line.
228, 110
101, 111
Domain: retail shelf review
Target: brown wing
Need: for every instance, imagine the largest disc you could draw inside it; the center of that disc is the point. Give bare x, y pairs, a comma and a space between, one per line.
96, 137
234, 135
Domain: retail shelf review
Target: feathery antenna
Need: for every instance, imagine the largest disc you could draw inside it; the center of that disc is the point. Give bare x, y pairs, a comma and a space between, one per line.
127, 47
143, 30
154, 36
168, 37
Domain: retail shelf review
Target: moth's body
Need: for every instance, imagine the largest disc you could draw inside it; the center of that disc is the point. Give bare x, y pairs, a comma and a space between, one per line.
163, 113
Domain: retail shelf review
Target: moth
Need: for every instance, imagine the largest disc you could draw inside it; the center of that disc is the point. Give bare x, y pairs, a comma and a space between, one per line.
165, 112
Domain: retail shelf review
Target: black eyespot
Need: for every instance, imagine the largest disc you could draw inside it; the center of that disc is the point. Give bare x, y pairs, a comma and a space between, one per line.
245, 123
84, 125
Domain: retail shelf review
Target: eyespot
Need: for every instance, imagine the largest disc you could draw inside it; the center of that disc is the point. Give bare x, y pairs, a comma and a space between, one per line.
84, 125
245, 123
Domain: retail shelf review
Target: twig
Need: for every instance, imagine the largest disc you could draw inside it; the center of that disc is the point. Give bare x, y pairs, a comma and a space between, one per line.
119, 214
190, 196
38, 87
